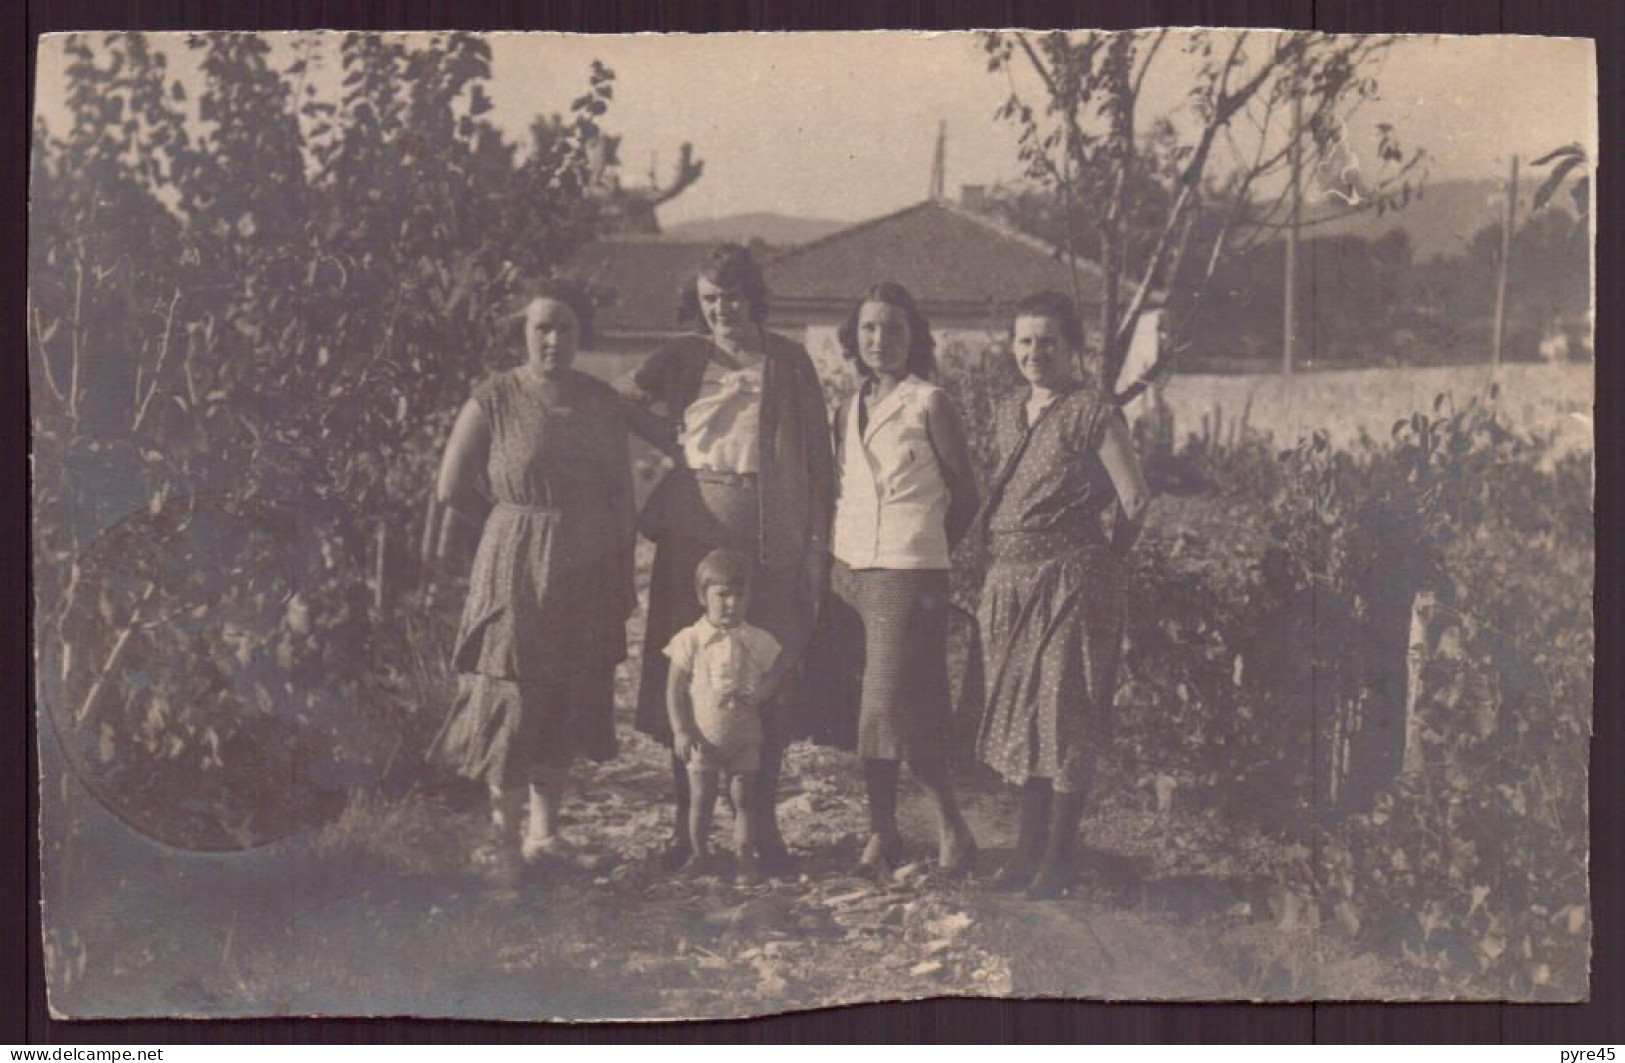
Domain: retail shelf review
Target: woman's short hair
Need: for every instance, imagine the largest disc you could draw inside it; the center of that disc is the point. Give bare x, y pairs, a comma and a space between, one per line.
730, 266
729, 568
561, 290
922, 359
1058, 307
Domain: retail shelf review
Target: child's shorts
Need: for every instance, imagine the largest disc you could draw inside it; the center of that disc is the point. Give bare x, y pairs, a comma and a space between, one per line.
735, 739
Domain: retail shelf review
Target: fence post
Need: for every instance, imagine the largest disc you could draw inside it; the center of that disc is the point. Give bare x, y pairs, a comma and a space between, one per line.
380, 567
1501, 274
1416, 661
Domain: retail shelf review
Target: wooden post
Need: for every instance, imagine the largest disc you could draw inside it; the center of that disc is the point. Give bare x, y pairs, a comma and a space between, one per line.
1501, 274
380, 567
1416, 660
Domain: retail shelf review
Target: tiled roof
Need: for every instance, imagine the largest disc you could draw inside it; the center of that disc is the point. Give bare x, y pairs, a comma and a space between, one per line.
949, 257
645, 274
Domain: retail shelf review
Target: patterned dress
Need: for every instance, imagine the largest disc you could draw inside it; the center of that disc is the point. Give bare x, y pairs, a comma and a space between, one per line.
551, 586
1051, 612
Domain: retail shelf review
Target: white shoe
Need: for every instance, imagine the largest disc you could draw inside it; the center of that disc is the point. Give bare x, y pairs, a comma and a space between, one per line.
538, 847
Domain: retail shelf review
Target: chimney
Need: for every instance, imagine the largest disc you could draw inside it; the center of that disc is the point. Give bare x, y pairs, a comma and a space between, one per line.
973, 197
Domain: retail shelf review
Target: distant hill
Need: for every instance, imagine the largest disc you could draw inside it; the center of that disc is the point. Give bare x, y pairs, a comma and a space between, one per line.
777, 230
1442, 222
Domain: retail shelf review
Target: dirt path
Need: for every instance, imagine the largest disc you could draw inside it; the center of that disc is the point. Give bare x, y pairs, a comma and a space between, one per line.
379, 914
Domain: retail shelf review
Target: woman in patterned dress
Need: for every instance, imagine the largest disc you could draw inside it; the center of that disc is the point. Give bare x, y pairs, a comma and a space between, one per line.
1051, 612
743, 420
544, 624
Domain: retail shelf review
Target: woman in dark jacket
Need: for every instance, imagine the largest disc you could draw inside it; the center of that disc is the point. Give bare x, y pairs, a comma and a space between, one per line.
743, 419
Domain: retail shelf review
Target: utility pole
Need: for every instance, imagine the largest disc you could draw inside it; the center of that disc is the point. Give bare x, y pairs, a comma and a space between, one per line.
1289, 322
939, 164
1506, 260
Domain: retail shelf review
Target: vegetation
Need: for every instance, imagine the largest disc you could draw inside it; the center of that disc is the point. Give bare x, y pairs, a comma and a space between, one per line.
1360, 677
248, 331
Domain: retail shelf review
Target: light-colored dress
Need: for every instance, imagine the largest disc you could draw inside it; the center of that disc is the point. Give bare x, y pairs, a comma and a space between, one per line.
544, 623
884, 648
1051, 612
725, 667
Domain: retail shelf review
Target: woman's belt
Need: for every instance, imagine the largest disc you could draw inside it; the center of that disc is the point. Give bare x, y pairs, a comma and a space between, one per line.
1035, 545
725, 479
518, 507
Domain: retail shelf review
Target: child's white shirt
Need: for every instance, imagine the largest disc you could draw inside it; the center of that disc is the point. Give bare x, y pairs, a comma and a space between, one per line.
722, 662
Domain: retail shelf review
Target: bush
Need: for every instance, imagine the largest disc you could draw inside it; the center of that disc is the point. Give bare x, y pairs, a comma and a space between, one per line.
249, 333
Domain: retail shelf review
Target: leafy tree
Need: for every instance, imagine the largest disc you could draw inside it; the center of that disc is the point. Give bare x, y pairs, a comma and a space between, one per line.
248, 327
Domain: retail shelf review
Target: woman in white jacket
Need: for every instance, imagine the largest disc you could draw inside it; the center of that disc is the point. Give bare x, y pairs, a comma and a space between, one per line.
906, 495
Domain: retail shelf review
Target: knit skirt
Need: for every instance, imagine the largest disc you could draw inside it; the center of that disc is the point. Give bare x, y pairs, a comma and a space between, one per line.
879, 665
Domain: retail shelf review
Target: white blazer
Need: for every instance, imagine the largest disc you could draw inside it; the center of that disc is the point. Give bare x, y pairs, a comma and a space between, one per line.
892, 507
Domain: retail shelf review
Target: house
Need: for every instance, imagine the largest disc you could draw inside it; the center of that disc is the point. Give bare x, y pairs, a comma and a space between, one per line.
965, 268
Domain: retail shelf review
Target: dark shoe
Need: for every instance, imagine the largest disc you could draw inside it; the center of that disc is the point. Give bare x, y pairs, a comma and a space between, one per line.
1014, 874
958, 854
676, 854
1032, 828
774, 861
1052, 880
748, 870
1056, 870
701, 865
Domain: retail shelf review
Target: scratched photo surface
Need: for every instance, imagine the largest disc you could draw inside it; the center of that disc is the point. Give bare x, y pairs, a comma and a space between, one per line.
538, 526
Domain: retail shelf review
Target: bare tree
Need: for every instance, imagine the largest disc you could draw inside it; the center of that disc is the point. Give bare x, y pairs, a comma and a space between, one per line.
1165, 194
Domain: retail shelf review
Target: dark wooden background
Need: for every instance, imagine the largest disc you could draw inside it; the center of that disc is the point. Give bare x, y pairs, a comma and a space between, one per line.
23, 1015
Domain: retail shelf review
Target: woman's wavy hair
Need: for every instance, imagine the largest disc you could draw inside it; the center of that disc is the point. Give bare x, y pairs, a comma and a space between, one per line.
561, 290
731, 266
922, 346
1058, 307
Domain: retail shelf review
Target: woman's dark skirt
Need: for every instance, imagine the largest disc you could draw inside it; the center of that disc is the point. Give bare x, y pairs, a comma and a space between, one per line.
878, 670
700, 513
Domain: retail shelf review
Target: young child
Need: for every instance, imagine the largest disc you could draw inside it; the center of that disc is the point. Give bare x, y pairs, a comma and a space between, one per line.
723, 672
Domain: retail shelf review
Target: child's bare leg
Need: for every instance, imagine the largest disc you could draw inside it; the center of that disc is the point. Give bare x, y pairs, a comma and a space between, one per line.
702, 786
680, 847
746, 811
547, 782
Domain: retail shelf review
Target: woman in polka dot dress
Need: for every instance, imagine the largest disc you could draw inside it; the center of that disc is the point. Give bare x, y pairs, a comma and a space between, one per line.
1051, 611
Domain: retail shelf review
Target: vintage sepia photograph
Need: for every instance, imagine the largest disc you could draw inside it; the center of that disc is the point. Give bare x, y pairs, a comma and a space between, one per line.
540, 526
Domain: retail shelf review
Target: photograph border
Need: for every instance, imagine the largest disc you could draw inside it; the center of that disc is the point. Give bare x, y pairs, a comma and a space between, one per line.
1601, 1020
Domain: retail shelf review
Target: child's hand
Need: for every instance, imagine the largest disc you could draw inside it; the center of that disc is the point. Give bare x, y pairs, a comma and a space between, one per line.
688, 744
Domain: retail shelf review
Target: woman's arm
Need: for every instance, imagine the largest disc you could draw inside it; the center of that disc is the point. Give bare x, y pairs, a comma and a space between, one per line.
642, 390
465, 457
1133, 496
623, 502
958, 471
817, 445
820, 453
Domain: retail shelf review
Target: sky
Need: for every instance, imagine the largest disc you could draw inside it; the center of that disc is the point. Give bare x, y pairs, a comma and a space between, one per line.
844, 125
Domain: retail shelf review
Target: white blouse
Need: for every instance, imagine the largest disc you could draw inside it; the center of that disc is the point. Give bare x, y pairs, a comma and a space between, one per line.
892, 510
722, 425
